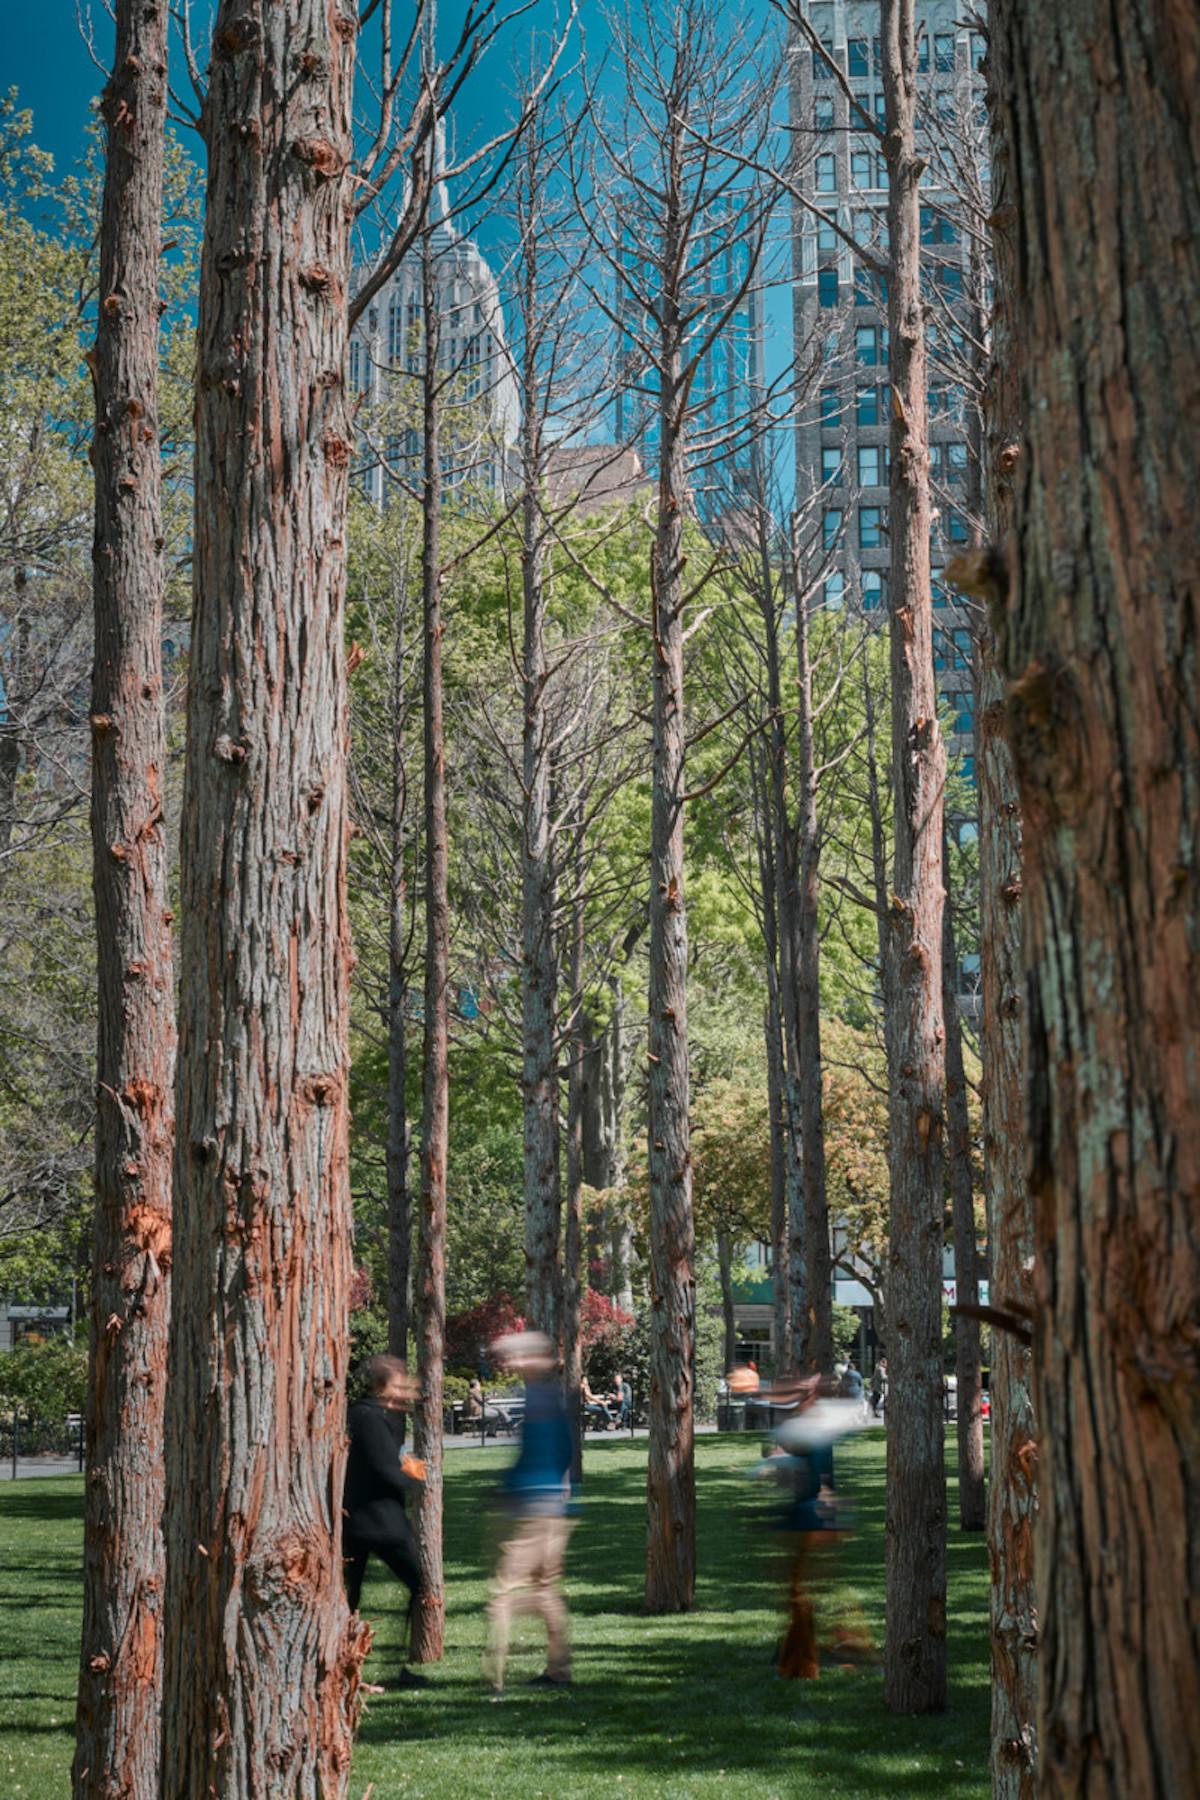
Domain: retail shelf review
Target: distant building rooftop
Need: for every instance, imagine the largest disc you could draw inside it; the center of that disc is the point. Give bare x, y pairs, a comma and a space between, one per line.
597, 475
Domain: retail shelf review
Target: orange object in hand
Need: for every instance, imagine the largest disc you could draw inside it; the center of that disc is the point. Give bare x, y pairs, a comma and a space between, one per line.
413, 1466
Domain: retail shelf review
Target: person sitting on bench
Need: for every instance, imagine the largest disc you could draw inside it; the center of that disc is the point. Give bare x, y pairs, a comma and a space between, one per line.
594, 1410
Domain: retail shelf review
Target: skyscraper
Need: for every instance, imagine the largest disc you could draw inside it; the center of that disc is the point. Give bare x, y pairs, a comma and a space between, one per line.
481, 410
842, 430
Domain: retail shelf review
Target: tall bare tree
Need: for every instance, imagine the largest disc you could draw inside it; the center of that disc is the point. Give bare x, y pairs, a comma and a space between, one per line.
117, 1711
261, 1658
915, 1657
972, 1493
675, 201
1098, 643
428, 1630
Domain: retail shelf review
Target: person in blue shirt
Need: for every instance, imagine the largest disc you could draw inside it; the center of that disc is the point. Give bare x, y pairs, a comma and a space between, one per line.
537, 1500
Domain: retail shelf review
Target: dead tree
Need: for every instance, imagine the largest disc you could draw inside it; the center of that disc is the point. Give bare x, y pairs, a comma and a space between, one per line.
972, 1496
261, 1658
120, 1670
915, 1656
667, 202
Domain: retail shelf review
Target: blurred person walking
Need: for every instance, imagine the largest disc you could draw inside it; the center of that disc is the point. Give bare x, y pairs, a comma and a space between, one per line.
537, 1499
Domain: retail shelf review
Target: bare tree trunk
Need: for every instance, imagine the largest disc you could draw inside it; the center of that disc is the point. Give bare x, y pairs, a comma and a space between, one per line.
603, 1143
972, 1496
261, 1658
915, 1655
399, 1205
808, 1011
120, 1668
1099, 646
573, 1269
428, 1627
1012, 1491
783, 838
539, 973
728, 1321
776, 1099
671, 1489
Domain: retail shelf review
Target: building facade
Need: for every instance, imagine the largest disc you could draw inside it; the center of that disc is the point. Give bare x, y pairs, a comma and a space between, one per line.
840, 319
481, 407
726, 396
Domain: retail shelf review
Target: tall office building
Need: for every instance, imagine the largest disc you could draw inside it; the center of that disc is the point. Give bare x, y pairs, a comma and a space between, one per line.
729, 383
842, 428
481, 412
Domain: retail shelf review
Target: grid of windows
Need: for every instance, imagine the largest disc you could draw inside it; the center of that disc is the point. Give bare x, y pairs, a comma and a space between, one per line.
868, 171
870, 527
951, 649
826, 173
831, 406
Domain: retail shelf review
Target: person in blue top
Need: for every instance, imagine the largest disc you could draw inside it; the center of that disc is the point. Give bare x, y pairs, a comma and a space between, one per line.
537, 1499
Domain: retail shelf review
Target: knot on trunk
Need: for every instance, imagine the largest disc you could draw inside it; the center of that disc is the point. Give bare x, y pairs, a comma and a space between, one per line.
226, 749
318, 279
241, 35
337, 450
320, 1090
320, 156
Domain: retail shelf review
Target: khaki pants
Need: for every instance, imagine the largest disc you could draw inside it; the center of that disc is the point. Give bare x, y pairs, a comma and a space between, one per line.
527, 1581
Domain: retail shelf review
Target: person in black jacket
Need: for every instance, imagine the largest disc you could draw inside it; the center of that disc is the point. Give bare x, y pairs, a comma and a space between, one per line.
378, 1479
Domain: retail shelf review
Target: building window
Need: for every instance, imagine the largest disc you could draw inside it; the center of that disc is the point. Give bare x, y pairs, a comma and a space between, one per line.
870, 527
870, 465
868, 171
866, 406
827, 287
874, 590
951, 649
866, 346
827, 174
831, 463
943, 52
858, 66
923, 54
937, 587
936, 228
961, 702
869, 289
831, 527
827, 238
823, 114
835, 591
956, 462
978, 45
831, 407
881, 109
947, 112
821, 60
947, 278
956, 527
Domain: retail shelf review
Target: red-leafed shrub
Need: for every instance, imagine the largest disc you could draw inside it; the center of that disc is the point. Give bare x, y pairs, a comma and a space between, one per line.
469, 1333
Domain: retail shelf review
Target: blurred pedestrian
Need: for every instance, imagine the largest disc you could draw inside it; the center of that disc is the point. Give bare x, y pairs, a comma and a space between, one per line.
379, 1478
537, 1502
879, 1387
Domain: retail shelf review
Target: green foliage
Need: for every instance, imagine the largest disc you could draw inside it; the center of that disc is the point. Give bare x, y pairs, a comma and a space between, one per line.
44, 1379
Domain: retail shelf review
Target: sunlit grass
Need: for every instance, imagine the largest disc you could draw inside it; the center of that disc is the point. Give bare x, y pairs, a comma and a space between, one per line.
675, 1707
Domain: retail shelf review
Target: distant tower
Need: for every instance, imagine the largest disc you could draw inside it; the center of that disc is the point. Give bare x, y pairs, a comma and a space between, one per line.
482, 408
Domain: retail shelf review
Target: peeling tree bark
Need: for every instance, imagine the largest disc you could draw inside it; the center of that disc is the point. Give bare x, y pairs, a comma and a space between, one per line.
574, 1273
429, 1616
915, 1654
1099, 645
120, 1669
261, 1658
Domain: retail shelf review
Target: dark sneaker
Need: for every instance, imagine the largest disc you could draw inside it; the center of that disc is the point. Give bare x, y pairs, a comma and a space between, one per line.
547, 1680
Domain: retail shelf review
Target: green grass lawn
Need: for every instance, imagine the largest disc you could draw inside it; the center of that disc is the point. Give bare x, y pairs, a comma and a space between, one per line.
678, 1707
